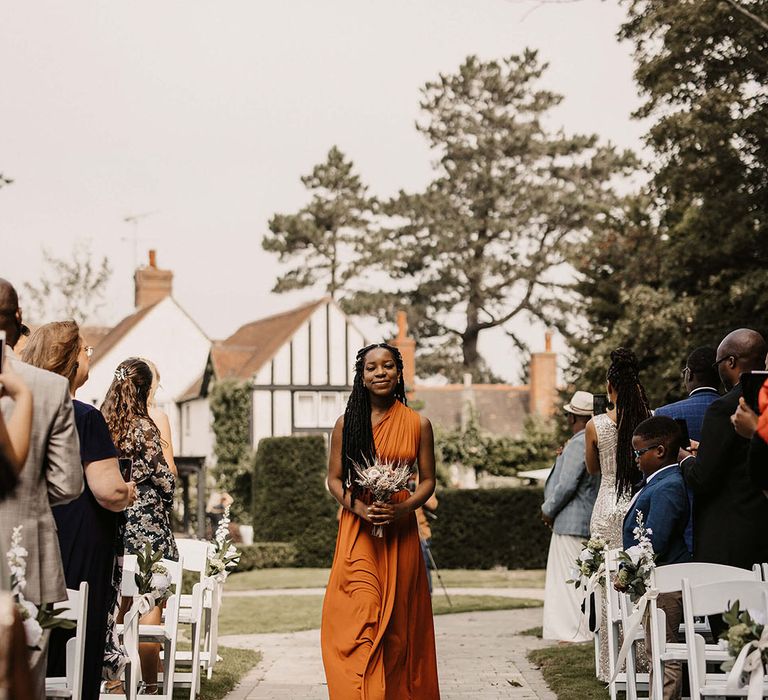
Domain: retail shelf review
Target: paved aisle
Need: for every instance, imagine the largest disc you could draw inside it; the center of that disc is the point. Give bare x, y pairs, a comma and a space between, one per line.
480, 655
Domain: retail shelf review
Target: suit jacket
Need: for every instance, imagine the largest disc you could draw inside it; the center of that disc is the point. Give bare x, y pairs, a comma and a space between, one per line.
691, 409
730, 514
52, 475
664, 504
570, 491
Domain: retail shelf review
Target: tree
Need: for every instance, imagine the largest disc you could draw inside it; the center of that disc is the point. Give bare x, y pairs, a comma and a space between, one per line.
230, 403
324, 236
71, 288
484, 242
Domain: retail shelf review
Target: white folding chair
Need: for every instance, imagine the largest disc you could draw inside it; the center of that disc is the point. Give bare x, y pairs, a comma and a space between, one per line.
713, 599
669, 579
617, 608
76, 607
165, 633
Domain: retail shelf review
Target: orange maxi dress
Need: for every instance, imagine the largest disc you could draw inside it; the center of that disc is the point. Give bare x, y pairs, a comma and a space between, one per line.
377, 636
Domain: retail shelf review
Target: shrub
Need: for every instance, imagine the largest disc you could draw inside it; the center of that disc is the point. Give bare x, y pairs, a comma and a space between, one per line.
266, 555
290, 501
480, 529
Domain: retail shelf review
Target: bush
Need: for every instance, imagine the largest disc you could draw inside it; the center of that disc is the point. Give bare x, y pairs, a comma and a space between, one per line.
480, 529
290, 501
266, 555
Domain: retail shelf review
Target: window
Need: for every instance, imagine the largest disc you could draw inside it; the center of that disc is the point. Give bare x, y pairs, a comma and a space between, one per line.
305, 409
329, 409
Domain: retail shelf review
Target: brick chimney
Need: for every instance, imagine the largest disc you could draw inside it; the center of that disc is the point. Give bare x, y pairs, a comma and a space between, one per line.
151, 284
407, 348
543, 382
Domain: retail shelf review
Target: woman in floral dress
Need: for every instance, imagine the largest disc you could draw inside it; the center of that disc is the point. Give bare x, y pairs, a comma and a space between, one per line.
137, 438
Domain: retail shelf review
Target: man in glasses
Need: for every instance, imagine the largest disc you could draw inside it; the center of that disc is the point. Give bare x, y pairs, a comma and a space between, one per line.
701, 382
730, 514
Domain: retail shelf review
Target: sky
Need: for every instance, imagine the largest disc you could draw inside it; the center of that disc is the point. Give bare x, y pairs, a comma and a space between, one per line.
204, 115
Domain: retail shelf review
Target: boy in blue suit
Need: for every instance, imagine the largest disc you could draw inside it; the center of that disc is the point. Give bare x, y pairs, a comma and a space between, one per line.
663, 499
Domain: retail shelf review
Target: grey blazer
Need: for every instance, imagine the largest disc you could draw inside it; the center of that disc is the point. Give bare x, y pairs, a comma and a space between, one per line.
52, 475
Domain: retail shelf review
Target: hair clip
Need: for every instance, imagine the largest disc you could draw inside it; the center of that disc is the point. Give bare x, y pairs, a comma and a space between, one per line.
120, 374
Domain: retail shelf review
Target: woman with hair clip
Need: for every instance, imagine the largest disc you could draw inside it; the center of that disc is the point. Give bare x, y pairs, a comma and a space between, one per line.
608, 438
87, 527
148, 521
377, 635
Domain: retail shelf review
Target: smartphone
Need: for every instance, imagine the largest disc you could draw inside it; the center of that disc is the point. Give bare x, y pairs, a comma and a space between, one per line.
685, 442
126, 465
599, 404
751, 383
2, 349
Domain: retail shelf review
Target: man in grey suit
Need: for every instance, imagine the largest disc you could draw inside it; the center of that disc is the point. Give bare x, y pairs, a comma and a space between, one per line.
569, 497
51, 476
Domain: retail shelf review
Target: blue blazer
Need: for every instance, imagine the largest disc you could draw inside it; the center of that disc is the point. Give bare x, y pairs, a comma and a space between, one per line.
691, 409
664, 504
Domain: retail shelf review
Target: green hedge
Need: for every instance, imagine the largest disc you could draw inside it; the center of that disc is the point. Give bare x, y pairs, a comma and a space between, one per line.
266, 555
483, 528
290, 501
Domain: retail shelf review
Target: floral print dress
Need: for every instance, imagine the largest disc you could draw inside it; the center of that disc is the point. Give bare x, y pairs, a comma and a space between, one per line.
149, 518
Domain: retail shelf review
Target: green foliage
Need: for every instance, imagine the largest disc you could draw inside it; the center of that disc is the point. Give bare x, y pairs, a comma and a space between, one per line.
569, 670
266, 555
480, 243
496, 455
480, 529
741, 629
230, 403
324, 238
291, 502
71, 288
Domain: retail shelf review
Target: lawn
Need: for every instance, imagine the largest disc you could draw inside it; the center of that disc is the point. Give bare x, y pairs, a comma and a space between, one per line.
234, 665
259, 579
302, 612
569, 671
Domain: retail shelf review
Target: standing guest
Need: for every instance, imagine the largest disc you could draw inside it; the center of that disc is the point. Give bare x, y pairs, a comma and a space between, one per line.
160, 419
15, 433
377, 635
52, 475
701, 382
569, 496
137, 438
15, 681
662, 498
87, 527
730, 514
754, 427
608, 438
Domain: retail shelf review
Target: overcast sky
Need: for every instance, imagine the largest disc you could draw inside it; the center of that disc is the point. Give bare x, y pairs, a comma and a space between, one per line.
206, 114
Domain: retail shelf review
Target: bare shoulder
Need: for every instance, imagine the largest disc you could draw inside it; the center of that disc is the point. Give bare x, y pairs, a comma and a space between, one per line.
339, 425
160, 418
426, 426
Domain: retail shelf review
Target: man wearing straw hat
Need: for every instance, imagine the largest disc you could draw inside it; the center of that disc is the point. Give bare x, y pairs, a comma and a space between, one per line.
569, 497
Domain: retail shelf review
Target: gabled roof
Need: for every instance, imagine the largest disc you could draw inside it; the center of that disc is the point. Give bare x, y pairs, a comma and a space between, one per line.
251, 346
117, 333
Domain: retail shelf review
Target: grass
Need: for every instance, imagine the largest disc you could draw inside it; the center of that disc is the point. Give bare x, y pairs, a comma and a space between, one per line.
227, 674
569, 671
295, 613
259, 579
533, 632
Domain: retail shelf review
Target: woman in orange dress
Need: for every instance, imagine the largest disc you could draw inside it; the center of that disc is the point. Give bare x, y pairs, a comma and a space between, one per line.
377, 636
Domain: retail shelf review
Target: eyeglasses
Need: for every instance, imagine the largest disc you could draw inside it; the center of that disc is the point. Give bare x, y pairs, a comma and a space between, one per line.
723, 359
88, 350
639, 453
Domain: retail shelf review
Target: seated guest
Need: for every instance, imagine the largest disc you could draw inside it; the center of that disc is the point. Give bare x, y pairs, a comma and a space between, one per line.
87, 527
569, 497
701, 383
663, 500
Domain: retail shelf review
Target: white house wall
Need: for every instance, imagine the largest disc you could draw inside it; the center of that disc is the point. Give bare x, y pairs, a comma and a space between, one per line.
281, 366
300, 344
262, 415
283, 414
168, 337
196, 431
319, 337
337, 339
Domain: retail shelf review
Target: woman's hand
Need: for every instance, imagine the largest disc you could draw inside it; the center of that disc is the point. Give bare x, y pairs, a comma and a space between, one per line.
132, 493
379, 513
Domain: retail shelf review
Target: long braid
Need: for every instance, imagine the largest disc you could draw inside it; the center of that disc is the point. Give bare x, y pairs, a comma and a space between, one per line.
632, 408
357, 436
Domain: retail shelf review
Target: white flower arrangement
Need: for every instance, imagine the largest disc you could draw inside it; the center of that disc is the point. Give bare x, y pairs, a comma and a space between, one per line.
152, 577
35, 619
383, 478
636, 563
223, 556
590, 563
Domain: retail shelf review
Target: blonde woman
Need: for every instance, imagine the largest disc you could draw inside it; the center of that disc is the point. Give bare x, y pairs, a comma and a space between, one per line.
160, 419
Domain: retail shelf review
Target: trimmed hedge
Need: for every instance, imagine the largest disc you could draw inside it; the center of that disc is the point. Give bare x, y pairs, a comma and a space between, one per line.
290, 501
266, 555
484, 528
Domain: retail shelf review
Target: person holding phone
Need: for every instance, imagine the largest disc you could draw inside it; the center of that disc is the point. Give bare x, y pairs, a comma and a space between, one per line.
88, 526
15, 432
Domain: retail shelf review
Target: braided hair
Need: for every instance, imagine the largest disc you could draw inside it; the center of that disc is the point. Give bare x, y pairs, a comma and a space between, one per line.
631, 409
357, 435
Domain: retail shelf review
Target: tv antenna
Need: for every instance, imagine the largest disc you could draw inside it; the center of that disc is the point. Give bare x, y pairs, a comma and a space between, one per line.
134, 220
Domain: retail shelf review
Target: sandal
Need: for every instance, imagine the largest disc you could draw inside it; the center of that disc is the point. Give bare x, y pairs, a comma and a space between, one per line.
114, 688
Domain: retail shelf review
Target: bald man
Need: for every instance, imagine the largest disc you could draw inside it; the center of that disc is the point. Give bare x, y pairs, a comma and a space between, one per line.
730, 514
52, 475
